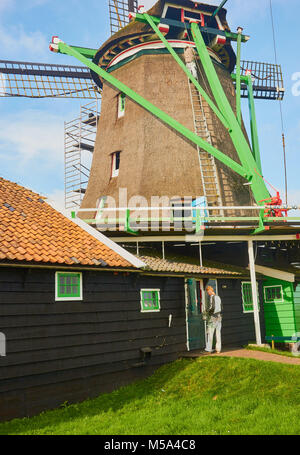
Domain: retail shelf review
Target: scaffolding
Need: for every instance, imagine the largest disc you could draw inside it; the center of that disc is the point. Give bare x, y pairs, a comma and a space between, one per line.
119, 11
80, 136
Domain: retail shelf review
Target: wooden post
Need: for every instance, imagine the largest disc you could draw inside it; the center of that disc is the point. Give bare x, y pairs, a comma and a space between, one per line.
254, 292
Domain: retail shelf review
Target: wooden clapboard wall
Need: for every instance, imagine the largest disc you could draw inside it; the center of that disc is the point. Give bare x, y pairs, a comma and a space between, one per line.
69, 351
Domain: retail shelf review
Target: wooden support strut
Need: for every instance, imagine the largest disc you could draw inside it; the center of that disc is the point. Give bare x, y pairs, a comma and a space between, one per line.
254, 293
185, 132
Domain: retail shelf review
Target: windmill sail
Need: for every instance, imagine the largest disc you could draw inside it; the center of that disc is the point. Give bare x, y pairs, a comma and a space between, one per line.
267, 80
41, 80
118, 13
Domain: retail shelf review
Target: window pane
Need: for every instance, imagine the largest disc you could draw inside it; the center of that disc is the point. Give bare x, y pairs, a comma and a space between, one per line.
61, 290
75, 290
75, 280
117, 160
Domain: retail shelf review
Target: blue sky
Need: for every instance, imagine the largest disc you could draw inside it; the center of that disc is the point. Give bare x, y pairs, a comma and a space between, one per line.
31, 131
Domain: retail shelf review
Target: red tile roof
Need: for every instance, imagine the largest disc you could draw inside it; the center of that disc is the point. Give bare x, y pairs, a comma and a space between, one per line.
33, 231
183, 266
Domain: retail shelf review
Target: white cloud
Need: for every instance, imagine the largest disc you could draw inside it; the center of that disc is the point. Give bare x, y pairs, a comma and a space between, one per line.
15, 40
30, 135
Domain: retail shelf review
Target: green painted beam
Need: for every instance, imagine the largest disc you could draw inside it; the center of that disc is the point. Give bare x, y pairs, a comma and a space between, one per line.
185, 132
219, 8
238, 78
86, 51
240, 143
243, 78
199, 218
253, 124
220, 116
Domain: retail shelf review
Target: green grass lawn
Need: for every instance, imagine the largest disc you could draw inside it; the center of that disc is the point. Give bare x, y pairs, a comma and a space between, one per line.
207, 396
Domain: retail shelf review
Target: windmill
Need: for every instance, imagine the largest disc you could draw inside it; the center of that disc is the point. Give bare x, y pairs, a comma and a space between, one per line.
167, 22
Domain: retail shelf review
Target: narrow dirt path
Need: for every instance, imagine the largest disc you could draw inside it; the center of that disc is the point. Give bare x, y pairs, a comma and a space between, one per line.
269, 357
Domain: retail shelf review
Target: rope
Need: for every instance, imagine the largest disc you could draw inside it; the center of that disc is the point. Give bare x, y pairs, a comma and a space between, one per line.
280, 107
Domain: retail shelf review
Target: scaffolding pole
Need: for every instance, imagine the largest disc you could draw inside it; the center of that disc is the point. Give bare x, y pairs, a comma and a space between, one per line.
80, 136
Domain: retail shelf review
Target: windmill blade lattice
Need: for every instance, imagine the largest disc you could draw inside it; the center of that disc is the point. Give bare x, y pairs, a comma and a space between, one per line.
41, 80
119, 11
267, 80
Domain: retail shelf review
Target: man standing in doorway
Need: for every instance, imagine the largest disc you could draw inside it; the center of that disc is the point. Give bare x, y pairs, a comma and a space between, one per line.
213, 318
190, 60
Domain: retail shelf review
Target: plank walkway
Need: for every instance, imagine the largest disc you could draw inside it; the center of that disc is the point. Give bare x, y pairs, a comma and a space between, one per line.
248, 354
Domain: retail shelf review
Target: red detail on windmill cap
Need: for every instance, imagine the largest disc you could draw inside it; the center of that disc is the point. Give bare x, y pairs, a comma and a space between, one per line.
53, 47
54, 39
221, 39
164, 28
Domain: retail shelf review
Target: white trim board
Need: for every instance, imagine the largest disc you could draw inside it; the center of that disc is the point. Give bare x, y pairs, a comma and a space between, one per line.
109, 243
207, 238
275, 273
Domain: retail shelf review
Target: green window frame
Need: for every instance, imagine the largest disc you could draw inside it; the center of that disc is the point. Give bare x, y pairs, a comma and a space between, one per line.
121, 105
273, 294
150, 300
247, 298
68, 286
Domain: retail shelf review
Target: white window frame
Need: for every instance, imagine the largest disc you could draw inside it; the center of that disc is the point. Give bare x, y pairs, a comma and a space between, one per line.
114, 171
274, 286
150, 290
67, 299
249, 311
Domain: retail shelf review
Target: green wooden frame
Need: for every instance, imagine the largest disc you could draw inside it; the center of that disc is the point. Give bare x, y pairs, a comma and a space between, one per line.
245, 296
71, 296
281, 300
155, 308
